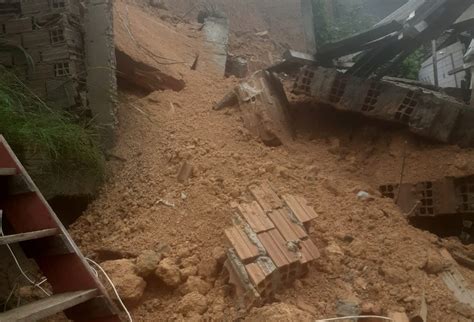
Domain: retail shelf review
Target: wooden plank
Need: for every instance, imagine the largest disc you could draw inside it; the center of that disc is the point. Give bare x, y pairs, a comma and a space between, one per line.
10, 239
255, 217
277, 248
455, 282
300, 208
7, 171
48, 306
266, 197
289, 230
245, 249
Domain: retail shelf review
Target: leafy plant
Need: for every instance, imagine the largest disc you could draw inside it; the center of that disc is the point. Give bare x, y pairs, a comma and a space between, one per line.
48, 140
338, 21
411, 66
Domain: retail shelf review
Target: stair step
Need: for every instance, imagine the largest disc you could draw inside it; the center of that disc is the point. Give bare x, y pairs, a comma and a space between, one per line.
7, 172
10, 239
49, 306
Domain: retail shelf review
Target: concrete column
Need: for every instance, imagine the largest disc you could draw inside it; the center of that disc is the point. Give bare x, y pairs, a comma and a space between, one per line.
308, 26
101, 67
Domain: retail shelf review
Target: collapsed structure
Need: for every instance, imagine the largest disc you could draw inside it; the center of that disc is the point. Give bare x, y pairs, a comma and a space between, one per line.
350, 75
270, 246
426, 112
361, 86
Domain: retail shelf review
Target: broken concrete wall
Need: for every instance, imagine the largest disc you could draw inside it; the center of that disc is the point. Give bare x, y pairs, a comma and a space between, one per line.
264, 107
425, 112
101, 63
216, 36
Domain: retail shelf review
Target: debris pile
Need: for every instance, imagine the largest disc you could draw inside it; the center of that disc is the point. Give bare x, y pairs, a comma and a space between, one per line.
426, 112
270, 246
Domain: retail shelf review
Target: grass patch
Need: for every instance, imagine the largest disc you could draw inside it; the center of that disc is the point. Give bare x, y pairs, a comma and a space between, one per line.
50, 142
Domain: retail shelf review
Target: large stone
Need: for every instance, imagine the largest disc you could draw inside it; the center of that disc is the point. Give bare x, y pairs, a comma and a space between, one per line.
147, 263
393, 274
129, 285
196, 284
168, 272
193, 302
188, 271
219, 254
208, 267
435, 264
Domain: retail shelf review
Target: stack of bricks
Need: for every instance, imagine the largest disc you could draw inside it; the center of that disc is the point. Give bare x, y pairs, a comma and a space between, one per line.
50, 32
270, 246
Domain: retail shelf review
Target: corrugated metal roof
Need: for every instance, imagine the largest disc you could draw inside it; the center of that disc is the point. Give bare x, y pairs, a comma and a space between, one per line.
402, 13
468, 14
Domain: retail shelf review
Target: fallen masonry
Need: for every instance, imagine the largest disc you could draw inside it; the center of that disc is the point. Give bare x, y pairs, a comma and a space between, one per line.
425, 112
269, 244
433, 198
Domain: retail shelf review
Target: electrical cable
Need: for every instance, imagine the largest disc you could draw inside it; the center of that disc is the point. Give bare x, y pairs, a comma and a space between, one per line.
356, 317
38, 285
113, 287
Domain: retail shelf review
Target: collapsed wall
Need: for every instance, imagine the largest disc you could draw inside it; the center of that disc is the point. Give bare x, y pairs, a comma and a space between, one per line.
425, 112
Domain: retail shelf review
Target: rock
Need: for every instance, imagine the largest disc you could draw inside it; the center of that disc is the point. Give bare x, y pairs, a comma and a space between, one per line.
193, 302
281, 312
208, 267
160, 4
312, 173
393, 274
29, 293
219, 254
147, 262
301, 304
129, 285
333, 248
368, 308
435, 264
191, 261
364, 196
196, 284
188, 271
282, 172
185, 172
168, 272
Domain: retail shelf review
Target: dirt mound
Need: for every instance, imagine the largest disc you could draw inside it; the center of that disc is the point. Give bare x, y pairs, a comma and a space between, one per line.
369, 251
281, 18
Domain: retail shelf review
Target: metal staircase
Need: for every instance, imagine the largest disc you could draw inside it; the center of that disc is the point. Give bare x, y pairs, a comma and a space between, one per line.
31, 223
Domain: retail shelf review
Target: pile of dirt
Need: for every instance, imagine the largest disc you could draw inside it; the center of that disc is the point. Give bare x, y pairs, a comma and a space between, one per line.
370, 254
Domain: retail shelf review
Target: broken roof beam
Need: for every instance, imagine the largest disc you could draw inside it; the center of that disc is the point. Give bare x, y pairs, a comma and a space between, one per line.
358, 42
426, 25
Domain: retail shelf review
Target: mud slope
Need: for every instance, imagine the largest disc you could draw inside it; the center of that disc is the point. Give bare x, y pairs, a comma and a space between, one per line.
369, 252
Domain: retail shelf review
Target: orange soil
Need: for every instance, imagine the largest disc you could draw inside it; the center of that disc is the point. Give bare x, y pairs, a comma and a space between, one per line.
332, 159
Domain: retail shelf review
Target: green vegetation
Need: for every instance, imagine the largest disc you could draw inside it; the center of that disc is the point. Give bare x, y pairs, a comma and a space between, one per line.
336, 20
51, 144
411, 66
